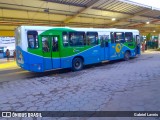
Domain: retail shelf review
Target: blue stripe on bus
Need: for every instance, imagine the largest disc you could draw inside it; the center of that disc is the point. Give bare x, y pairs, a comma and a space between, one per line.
36, 63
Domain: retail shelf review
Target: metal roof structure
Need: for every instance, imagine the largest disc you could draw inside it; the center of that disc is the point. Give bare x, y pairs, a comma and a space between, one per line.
79, 13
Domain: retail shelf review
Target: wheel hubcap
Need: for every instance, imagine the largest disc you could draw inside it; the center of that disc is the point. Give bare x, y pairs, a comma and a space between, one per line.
77, 64
127, 56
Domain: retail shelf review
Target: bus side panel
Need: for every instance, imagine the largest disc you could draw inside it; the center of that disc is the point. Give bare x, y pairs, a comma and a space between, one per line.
28, 61
115, 54
119, 54
112, 52
131, 47
56, 63
66, 62
21, 58
90, 56
35, 62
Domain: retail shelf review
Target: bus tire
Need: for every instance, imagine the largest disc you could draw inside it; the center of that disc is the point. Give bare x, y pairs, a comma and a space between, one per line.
77, 64
126, 55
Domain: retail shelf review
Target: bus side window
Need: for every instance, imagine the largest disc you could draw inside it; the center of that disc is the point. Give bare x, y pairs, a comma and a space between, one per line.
112, 37
45, 44
128, 36
65, 39
92, 38
32, 37
119, 37
76, 38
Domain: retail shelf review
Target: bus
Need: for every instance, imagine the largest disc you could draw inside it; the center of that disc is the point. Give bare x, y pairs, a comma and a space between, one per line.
42, 48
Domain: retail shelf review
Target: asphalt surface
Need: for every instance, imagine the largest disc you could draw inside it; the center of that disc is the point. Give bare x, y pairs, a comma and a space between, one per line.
17, 73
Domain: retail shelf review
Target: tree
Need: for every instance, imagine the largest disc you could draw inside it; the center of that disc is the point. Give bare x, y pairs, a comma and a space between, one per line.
148, 37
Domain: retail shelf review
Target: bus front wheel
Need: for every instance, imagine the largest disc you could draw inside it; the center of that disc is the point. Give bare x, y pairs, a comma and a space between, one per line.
126, 56
77, 64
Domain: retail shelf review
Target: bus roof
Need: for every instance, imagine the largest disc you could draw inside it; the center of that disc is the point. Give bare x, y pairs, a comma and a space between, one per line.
42, 28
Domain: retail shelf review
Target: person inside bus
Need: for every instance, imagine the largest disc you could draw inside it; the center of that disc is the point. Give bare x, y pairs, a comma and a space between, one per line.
45, 46
31, 41
54, 44
71, 42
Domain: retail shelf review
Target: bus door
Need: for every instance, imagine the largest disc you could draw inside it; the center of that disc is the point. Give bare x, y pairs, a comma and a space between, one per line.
47, 52
50, 50
138, 46
104, 47
55, 54
115, 48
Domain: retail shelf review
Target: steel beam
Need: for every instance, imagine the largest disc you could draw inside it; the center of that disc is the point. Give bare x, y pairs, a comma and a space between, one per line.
93, 2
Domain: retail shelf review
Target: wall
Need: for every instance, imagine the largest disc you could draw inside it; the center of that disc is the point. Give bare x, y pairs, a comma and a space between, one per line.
8, 33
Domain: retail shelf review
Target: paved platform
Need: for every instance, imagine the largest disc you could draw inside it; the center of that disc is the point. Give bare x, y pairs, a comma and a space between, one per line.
4, 60
4, 64
122, 86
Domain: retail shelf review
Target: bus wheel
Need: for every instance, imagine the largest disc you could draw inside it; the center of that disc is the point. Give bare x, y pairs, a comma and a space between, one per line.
77, 64
126, 56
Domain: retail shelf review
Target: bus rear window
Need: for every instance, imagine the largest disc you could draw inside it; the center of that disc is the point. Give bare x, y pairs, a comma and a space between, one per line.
32, 37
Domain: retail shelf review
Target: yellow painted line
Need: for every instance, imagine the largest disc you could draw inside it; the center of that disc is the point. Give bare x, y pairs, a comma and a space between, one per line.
15, 68
8, 65
13, 73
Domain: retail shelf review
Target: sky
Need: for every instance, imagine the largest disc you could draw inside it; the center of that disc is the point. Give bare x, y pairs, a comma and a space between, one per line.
153, 3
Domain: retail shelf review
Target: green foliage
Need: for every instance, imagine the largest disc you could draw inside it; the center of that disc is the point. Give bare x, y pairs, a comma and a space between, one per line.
158, 49
148, 37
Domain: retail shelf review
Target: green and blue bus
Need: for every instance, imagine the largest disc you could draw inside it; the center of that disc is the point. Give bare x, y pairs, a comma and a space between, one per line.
40, 48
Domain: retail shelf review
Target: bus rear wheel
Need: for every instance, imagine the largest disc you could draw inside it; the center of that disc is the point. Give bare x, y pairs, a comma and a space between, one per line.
126, 56
77, 64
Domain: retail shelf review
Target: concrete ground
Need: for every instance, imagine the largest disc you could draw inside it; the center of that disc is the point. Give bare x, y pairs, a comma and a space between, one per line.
122, 86
4, 60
